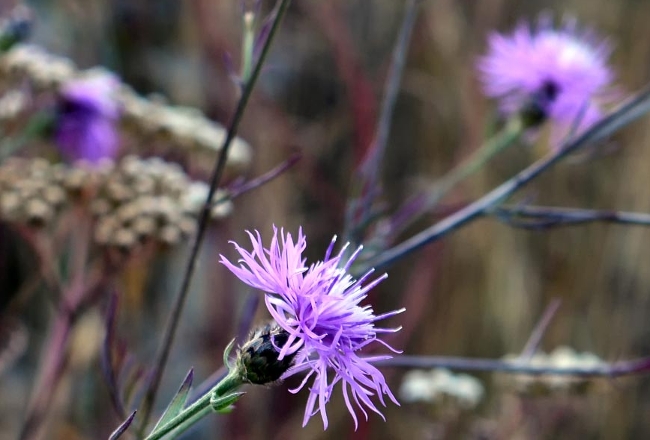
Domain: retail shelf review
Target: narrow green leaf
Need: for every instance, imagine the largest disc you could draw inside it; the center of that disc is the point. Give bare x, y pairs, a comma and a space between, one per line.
178, 402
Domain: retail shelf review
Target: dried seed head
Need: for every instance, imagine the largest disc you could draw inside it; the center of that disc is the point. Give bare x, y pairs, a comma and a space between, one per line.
54, 195
42, 69
152, 199
12, 104
105, 230
31, 191
170, 235
38, 212
124, 238
9, 205
179, 128
195, 197
144, 226
187, 225
148, 197
100, 207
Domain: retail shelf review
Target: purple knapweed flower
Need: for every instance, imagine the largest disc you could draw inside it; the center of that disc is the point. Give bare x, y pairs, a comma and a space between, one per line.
86, 117
319, 307
560, 74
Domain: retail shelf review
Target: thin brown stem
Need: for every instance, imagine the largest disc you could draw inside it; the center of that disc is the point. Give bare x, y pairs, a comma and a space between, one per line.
538, 332
55, 352
359, 209
615, 369
179, 302
545, 217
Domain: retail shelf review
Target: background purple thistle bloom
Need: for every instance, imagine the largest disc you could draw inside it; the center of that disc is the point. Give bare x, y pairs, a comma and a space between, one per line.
563, 70
86, 118
319, 306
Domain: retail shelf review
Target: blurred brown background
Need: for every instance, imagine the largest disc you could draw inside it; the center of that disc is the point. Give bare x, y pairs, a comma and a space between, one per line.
476, 293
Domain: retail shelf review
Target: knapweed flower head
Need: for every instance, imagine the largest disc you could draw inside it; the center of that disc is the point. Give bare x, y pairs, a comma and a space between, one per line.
559, 74
319, 307
86, 118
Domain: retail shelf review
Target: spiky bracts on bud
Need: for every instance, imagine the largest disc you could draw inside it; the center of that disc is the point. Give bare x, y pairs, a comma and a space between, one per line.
258, 358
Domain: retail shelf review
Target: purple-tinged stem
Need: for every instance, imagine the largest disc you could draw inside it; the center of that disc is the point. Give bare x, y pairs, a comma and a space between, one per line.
538, 333
75, 300
107, 357
179, 302
615, 369
53, 360
363, 196
543, 217
261, 180
44, 252
51, 368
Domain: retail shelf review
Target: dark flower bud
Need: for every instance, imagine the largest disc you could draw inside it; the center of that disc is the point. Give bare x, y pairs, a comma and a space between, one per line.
536, 111
257, 359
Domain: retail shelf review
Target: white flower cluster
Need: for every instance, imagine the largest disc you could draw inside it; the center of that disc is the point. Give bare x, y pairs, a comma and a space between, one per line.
441, 387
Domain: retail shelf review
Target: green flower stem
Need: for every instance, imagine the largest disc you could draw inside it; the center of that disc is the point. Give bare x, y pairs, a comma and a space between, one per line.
513, 130
248, 46
508, 136
199, 409
187, 424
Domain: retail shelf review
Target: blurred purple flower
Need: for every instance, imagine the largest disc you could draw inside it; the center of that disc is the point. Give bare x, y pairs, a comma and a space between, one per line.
86, 117
319, 306
561, 73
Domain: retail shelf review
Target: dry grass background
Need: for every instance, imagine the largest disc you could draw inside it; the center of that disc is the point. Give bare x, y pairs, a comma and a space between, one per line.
478, 292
